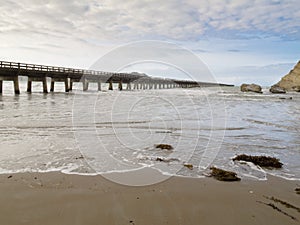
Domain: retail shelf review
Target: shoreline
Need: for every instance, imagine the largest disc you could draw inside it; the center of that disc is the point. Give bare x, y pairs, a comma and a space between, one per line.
154, 173
57, 198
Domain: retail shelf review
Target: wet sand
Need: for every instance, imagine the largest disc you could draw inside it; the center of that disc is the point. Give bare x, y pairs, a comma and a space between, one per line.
56, 198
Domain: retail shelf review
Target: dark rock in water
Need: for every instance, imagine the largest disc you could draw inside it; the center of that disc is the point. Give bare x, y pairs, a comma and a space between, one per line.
80, 157
297, 190
10, 176
159, 159
224, 175
275, 89
189, 166
263, 161
251, 88
164, 146
290, 98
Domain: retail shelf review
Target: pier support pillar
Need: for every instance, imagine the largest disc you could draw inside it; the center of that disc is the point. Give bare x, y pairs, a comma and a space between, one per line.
120, 86
66, 85
85, 85
29, 85
128, 86
52, 86
45, 89
99, 85
16, 85
1, 84
110, 87
71, 85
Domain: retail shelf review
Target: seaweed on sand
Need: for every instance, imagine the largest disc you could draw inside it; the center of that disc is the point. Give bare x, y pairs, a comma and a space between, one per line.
224, 175
263, 161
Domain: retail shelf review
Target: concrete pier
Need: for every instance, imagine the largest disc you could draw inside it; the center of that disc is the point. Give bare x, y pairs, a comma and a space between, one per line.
10, 71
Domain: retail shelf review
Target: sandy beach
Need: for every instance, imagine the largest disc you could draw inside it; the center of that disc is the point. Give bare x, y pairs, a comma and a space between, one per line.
56, 198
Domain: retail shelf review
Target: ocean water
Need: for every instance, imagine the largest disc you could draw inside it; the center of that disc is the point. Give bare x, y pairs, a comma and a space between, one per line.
94, 132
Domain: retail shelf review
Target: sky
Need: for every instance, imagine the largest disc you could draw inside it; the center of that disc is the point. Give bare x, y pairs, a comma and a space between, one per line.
240, 41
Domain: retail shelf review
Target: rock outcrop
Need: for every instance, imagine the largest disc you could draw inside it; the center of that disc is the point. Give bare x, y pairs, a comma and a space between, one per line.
251, 87
277, 89
291, 81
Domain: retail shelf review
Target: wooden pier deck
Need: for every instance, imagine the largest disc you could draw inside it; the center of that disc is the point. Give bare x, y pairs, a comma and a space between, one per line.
10, 71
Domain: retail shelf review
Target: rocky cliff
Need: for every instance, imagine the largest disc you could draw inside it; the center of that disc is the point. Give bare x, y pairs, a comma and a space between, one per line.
291, 81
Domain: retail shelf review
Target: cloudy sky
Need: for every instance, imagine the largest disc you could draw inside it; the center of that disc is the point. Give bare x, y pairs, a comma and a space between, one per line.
239, 40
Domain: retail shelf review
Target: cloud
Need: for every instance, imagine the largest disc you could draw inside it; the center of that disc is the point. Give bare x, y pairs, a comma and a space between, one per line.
135, 19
